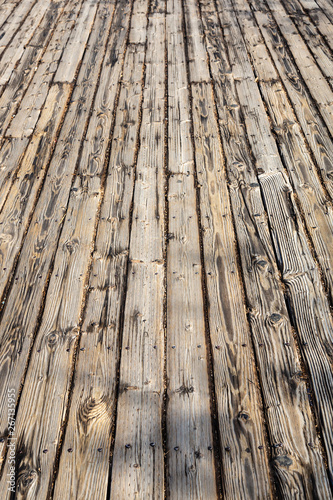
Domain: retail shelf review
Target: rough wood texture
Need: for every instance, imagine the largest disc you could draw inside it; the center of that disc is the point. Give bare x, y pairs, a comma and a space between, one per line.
276, 352
93, 400
166, 246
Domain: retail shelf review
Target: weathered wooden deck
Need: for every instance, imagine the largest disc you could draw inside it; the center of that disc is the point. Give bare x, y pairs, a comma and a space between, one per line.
166, 229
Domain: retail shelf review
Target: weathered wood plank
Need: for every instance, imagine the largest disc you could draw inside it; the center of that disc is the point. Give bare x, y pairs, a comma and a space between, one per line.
180, 152
191, 471
30, 280
84, 472
139, 22
137, 460
190, 459
287, 410
196, 52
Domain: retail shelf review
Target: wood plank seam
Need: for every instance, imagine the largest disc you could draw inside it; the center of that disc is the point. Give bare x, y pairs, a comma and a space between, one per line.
165, 257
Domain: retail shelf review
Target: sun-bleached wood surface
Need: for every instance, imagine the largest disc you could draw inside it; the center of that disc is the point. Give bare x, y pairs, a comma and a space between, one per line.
166, 249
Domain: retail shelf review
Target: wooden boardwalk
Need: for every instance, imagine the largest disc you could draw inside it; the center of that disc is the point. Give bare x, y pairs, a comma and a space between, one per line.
166, 249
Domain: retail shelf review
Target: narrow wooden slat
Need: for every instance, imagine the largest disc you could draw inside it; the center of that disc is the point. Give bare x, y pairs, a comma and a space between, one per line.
24, 300
137, 460
180, 153
312, 125
196, 52
84, 472
299, 271
191, 471
288, 415
190, 459
139, 21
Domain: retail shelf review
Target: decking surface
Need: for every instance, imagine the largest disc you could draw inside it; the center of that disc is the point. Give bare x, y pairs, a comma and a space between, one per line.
166, 256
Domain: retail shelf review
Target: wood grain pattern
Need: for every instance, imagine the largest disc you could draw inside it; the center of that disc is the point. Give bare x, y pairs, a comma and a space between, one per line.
15, 49
30, 280
46, 49
166, 235
276, 352
239, 406
299, 271
312, 125
23, 114
14, 22
91, 415
306, 64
